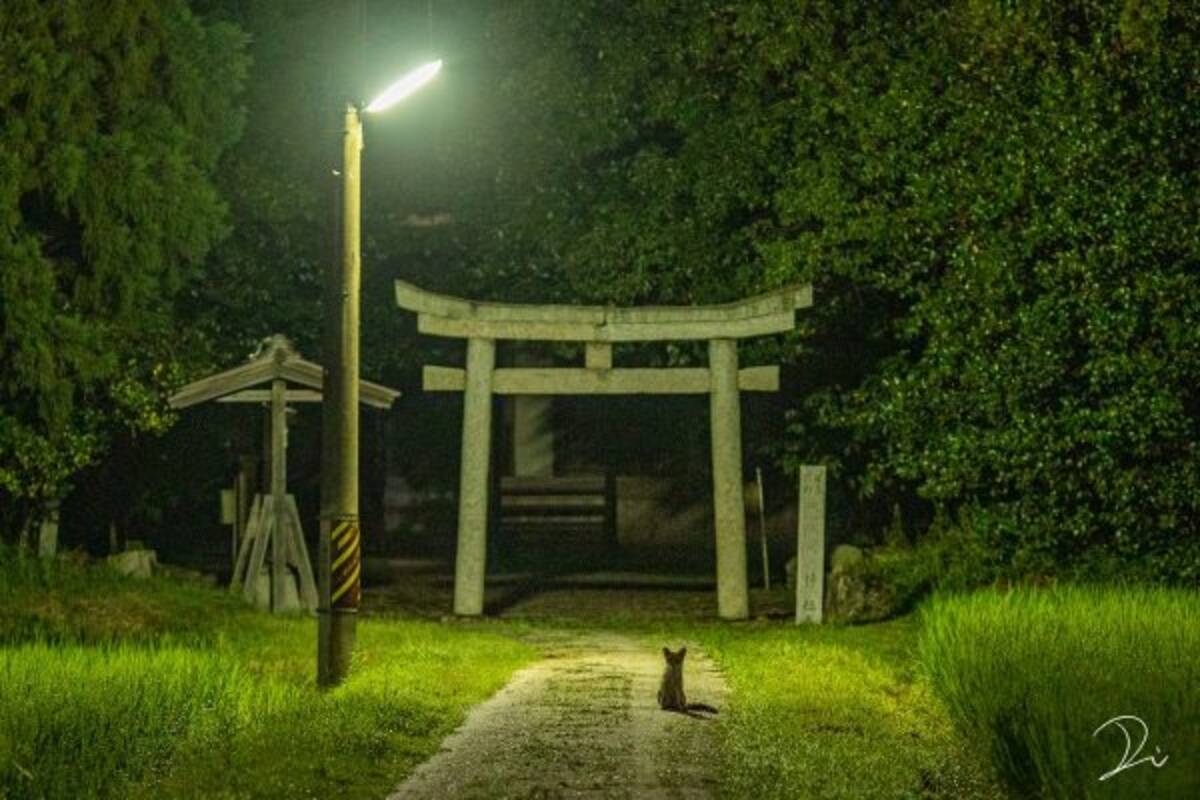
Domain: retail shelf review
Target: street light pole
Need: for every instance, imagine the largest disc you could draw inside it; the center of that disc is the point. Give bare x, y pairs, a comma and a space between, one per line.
340, 549
340, 561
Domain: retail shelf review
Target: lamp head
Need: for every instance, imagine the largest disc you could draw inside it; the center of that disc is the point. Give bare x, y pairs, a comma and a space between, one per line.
405, 86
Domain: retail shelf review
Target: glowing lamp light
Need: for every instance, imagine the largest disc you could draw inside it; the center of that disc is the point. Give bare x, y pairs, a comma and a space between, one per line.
405, 86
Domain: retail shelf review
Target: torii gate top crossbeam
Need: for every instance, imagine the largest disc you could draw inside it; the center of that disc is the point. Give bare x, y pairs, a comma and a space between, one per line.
441, 315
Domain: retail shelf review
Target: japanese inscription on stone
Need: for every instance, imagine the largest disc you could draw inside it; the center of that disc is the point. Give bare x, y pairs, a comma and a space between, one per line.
810, 545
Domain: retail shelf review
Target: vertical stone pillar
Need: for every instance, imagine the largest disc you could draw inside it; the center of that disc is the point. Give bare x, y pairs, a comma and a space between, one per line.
532, 433
471, 559
810, 546
533, 437
733, 600
598, 355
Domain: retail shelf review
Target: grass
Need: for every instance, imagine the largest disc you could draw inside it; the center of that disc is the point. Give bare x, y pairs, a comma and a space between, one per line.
983, 695
1031, 675
836, 713
66, 600
116, 687
813, 711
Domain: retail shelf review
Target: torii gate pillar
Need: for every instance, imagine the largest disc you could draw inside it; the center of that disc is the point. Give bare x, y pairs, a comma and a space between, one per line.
471, 558
733, 599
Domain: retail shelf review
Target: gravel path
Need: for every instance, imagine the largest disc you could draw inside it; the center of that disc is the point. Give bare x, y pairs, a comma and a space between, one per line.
582, 722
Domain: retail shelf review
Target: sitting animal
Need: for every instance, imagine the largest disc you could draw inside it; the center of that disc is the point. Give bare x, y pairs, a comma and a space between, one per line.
670, 693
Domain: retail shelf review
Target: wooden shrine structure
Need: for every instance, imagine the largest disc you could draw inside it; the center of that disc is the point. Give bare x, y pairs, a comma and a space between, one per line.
599, 328
272, 529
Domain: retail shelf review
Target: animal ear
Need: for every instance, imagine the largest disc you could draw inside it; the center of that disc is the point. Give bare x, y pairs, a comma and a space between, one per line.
682, 652
666, 653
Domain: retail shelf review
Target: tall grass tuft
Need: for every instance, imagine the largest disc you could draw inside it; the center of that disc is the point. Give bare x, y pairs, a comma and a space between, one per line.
1030, 675
67, 599
834, 712
88, 722
113, 687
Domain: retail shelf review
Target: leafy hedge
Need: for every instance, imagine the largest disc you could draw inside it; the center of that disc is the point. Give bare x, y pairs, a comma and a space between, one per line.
1043, 210
997, 204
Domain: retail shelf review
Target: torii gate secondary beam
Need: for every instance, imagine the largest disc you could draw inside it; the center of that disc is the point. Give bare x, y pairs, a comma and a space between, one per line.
567, 380
598, 327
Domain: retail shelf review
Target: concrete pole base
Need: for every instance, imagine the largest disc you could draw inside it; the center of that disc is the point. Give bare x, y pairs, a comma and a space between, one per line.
336, 632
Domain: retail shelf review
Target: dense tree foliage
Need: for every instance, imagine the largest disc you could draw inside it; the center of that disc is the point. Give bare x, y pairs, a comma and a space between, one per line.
265, 278
997, 204
309, 58
112, 120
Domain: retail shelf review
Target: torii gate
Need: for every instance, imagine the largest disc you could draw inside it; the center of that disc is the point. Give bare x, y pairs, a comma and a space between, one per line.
599, 327
274, 521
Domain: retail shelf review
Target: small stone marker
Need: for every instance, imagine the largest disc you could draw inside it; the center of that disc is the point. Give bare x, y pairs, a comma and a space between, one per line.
810, 545
134, 563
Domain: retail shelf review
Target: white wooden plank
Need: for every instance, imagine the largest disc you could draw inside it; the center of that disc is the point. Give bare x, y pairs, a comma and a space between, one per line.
264, 396
227, 382
231, 385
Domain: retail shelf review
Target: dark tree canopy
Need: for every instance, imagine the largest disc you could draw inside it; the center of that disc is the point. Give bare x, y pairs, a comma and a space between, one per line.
112, 120
997, 204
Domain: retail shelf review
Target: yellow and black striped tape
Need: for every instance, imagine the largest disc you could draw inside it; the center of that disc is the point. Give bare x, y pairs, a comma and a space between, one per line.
345, 565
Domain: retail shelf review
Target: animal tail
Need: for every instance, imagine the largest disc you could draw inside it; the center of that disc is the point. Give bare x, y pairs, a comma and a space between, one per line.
701, 707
